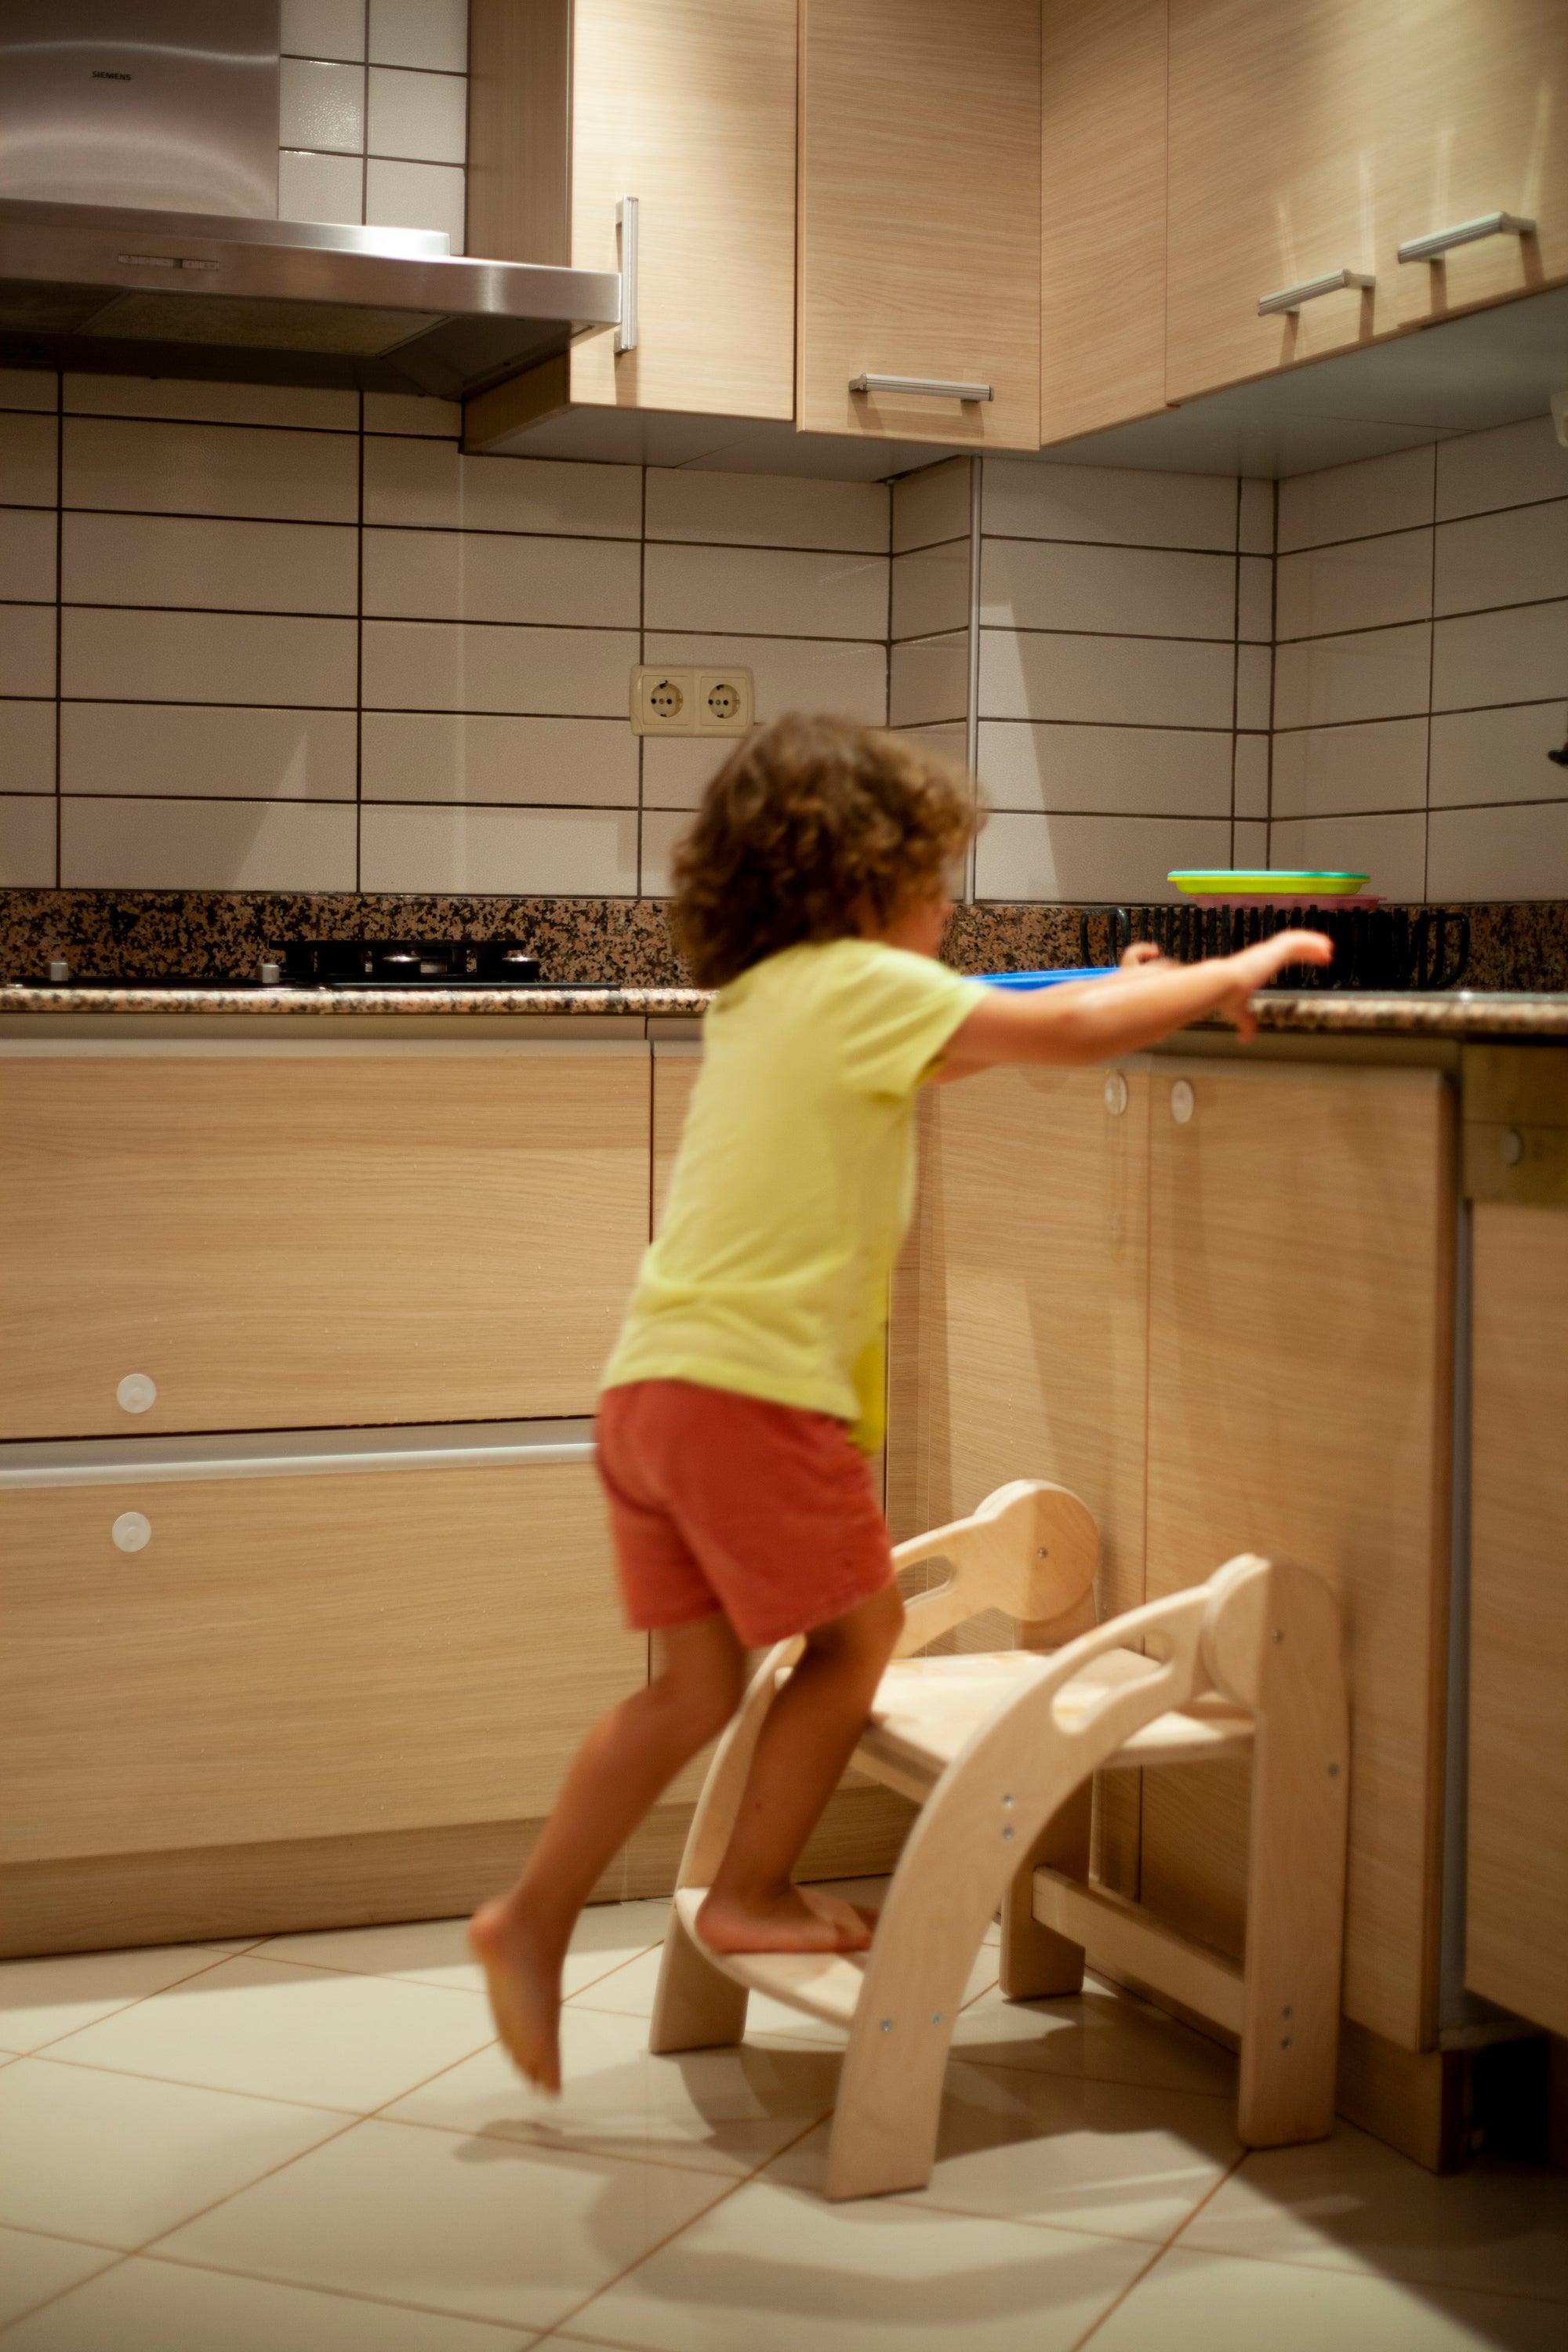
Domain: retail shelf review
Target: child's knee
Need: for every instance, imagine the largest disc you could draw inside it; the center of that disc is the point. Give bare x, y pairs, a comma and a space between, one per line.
864, 1636
702, 1697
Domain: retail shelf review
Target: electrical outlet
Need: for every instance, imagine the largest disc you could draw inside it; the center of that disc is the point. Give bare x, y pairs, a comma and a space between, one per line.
724, 701
691, 701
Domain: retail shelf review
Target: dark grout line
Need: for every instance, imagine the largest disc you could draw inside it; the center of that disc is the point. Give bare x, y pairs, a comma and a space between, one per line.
1160, 2252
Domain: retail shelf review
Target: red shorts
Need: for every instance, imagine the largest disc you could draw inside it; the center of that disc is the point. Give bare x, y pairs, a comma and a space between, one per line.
722, 1501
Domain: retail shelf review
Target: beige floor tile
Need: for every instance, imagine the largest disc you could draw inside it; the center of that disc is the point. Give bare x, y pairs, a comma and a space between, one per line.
1119, 2161
433, 1951
110, 2157
159, 2306
1206, 2302
776, 2271
41, 2000
1350, 2203
32, 2269
1101, 2035
722, 2110
482, 2227
314, 2034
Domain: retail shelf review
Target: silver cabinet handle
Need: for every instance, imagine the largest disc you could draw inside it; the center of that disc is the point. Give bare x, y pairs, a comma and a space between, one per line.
923, 387
626, 226
1291, 298
1431, 249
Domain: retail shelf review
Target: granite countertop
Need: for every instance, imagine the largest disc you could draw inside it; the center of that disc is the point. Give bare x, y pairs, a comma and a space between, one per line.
1325, 1013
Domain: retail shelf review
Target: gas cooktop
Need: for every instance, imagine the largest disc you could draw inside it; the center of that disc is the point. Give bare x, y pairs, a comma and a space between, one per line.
353, 964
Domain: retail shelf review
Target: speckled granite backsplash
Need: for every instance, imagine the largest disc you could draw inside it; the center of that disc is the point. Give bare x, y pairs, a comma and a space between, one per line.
221, 934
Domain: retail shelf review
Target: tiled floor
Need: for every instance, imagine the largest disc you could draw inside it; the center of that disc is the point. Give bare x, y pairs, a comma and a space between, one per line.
311, 2145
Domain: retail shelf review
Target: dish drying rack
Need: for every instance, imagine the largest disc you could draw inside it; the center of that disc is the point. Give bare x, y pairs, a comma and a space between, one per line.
1377, 948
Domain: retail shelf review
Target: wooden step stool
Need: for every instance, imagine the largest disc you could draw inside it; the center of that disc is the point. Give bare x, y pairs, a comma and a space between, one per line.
998, 1750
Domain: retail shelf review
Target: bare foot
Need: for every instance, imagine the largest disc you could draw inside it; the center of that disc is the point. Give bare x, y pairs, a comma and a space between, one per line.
798, 1920
524, 1987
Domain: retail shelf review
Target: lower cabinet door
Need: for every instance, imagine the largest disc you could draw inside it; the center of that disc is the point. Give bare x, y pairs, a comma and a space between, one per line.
287, 1653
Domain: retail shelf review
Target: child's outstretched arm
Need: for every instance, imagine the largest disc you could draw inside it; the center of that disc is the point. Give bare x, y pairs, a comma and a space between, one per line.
1095, 1020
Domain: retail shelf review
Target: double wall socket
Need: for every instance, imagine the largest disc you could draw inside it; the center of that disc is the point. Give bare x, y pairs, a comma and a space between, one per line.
691, 701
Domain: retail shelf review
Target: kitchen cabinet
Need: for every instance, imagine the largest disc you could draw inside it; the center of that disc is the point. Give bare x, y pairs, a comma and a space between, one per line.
314, 1230
919, 226
687, 105
1103, 213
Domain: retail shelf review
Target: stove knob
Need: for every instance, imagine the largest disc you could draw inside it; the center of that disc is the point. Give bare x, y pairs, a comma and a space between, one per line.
59, 972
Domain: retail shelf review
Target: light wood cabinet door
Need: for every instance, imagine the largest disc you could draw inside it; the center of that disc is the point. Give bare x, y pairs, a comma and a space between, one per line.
920, 227
675, 1073
1484, 113
293, 1238
1103, 213
300, 1656
1285, 129
1299, 1323
1516, 1944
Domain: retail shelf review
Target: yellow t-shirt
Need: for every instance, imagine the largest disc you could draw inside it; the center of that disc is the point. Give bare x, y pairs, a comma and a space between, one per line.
794, 1181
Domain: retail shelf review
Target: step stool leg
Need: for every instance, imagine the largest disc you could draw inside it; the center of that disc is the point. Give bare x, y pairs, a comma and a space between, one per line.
890, 2104
697, 2006
1037, 1963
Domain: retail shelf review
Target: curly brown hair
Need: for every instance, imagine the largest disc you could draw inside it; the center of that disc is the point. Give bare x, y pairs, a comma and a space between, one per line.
813, 823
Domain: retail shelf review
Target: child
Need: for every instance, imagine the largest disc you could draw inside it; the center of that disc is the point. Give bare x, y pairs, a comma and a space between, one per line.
745, 1391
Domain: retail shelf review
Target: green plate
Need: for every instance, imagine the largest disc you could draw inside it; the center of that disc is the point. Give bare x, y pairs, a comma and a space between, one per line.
1224, 882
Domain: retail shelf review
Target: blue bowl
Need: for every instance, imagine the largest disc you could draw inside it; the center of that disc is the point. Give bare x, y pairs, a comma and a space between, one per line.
1047, 979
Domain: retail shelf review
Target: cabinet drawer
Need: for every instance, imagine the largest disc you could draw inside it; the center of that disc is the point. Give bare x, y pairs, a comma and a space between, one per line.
300, 1649
314, 1232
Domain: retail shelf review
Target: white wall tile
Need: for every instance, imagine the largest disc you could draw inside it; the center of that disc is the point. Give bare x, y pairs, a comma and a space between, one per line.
1390, 850
678, 769
27, 649
429, 481
1362, 583
1341, 771
451, 575
191, 845
930, 590
417, 196
124, 655
928, 680
27, 459
1377, 494
26, 388
1254, 686
577, 852
1249, 846
322, 28
1121, 590
177, 560
1378, 674
213, 469
1257, 525
1105, 771
402, 412
1517, 557
321, 106
1023, 499
320, 187
790, 673
661, 829
449, 666
425, 756
200, 402
1255, 599
932, 504
163, 749
1094, 857
1499, 853
769, 592
1507, 468
27, 842
1251, 776
1495, 657
1147, 682
433, 33
420, 118
1499, 755
26, 747
26, 556
766, 510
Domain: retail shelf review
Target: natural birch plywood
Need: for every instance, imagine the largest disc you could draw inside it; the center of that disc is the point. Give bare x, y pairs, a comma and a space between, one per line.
1300, 1273
301, 1657
919, 193
1285, 126
1516, 1945
1103, 213
291, 1241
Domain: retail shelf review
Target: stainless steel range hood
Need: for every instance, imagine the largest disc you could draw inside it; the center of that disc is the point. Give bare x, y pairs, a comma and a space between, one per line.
138, 181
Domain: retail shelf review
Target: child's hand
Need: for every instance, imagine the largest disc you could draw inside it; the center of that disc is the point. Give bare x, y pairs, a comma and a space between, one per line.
1140, 952
1253, 968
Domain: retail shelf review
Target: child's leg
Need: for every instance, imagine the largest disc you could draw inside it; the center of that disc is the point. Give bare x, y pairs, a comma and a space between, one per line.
806, 1741
627, 1761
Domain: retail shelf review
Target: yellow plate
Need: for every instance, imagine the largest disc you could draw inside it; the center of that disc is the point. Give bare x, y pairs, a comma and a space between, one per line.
1222, 882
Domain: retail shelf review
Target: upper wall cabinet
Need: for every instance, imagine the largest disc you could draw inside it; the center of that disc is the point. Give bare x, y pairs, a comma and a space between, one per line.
1285, 129
688, 106
919, 191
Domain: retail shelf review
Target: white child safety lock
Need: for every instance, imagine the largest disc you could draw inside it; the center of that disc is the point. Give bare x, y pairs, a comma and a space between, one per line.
133, 1531
136, 1394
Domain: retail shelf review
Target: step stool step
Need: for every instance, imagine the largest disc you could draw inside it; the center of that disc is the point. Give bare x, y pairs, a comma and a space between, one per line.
826, 1985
